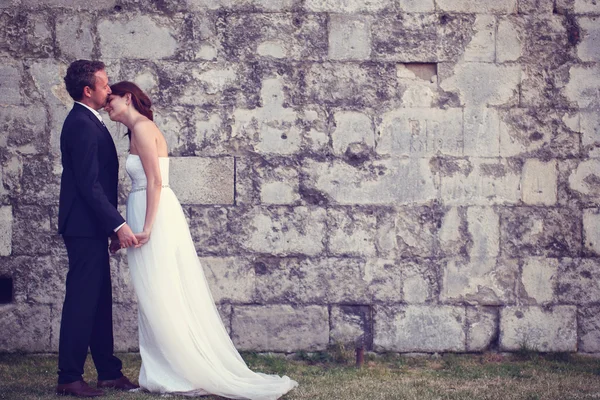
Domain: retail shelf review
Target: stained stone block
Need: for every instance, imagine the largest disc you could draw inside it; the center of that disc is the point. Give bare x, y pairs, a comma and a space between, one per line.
538, 329
536, 6
509, 42
484, 229
172, 124
261, 182
579, 281
384, 280
482, 327
452, 234
69, 4
280, 328
482, 45
125, 327
263, 5
591, 230
583, 87
10, 79
421, 132
584, 179
225, 313
6, 228
550, 232
137, 37
478, 181
590, 133
202, 180
210, 230
395, 181
411, 6
419, 328
482, 84
39, 280
25, 328
321, 281
74, 36
539, 183
351, 232
587, 6
480, 7
481, 132
351, 325
123, 291
32, 232
349, 37
539, 280
352, 128
589, 329
24, 128
283, 230
348, 6
419, 281
480, 281
419, 82
230, 279
416, 228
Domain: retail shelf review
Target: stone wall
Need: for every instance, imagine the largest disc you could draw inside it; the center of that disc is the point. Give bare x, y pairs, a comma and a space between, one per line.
420, 176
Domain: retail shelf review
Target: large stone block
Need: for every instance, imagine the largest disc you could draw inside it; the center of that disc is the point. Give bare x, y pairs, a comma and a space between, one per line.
579, 281
416, 229
28, 34
202, 180
6, 228
351, 232
24, 128
509, 42
259, 181
484, 228
415, 6
384, 279
584, 179
74, 36
421, 132
536, 6
262, 5
583, 87
419, 281
10, 84
482, 47
586, 6
33, 233
478, 181
125, 327
539, 183
209, 227
349, 37
588, 49
282, 230
590, 133
70, 5
482, 327
538, 329
419, 83
40, 181
137, 37
321, 281
481, 132
550, 232
419, 328
39, 280
230, 279
351, 325
589, 329
276, 35
539, 279
482, 84
480, 7
280, 328
395, 181
352, 129
591, 230
348, 6
25, 328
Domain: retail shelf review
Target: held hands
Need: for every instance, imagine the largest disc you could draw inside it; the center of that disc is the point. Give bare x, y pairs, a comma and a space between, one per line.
142, 238
126, 237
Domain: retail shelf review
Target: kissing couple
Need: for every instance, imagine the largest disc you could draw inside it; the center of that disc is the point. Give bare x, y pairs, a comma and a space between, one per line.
184, 346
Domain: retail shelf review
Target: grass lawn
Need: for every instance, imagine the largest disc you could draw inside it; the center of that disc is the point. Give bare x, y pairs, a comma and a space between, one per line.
332, 376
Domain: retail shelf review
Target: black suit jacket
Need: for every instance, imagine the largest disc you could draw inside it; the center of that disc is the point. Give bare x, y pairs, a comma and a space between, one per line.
88, 188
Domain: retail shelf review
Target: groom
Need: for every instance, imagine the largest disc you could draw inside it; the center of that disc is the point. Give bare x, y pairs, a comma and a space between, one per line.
87, 216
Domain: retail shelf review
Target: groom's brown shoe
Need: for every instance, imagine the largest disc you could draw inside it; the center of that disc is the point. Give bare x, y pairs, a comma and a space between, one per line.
119, 384
78, 389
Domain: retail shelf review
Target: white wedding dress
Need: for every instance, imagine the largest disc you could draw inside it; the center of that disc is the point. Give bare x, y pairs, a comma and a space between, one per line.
184, 346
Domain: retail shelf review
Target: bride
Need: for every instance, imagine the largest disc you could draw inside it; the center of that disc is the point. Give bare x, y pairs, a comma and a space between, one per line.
184, 346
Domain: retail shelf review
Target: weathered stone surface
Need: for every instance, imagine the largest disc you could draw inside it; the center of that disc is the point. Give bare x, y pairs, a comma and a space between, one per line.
550, 232
508, 40
539, 183
538, 329
280, 328
583, 87
266, 5
137, 37
225, 312
282, 230
419, 82
230, 279
421, 132
69, 4
202, 180
24, 128
482, 327
384, 279
587, 49
24, 328
539, 279
535, 6
28, 34
591, 230
10, 78
210, 230
578, 281
483, 7
480, 281
6, 228
421, 37
482, 84
352, 129
417, 5
348, 6
478, 181
351, 232
32, 232
280, 35
482, 47
589, 329
416, 229
586, 6
351, 325
584, 180
39, 280
74, 39
590, 133
395, 181
122, 287
321, 281
349, 37
125, 323
419, 281
481, 132
419, 328
261, 181
484, 228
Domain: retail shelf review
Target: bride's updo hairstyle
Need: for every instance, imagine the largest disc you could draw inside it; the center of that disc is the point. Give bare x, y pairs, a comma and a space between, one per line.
139, 99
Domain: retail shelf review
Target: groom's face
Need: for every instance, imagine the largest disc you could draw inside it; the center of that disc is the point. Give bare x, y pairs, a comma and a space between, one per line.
99, 93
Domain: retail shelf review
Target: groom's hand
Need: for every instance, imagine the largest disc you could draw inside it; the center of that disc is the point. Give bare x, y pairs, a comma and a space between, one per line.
126, 236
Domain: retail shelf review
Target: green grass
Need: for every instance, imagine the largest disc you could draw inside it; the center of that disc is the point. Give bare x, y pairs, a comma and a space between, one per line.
331, 375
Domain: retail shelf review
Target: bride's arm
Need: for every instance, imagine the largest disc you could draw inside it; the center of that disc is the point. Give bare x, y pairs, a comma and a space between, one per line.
143, 138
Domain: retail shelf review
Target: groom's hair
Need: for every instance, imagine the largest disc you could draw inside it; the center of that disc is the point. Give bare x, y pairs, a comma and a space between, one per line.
81, 73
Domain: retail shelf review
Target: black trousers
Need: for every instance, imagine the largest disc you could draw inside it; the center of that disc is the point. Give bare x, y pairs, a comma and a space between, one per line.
87, 312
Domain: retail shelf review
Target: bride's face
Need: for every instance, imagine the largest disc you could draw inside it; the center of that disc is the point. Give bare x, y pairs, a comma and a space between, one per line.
116, 106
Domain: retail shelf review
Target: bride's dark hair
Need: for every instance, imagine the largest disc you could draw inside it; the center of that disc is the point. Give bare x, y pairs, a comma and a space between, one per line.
139, 99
